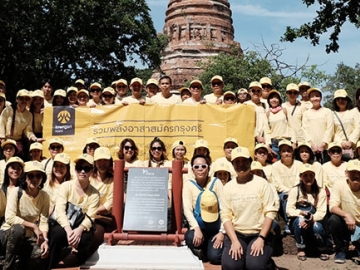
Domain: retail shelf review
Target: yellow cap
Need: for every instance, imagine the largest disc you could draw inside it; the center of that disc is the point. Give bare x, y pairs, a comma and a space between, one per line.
340, 93
34, 165
80, 81
9, 141
265, 80
23, 93
102, 153
209, 206
60, 92
217, 77
240, 152
121, 81
63, 158
37, 93
256, 165
353, 165
15, 159
176, 144
36, 146
134, 80
197, 82
201, 143
255, 84
88, 158
292, 86
95, 85
152, 81
109, 90
306, 167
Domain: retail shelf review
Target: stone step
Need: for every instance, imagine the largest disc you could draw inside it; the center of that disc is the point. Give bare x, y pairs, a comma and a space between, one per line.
143, 257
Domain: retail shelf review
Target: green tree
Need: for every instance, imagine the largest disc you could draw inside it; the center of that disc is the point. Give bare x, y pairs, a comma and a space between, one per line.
331, 16
238, 70
345, 77
68, 39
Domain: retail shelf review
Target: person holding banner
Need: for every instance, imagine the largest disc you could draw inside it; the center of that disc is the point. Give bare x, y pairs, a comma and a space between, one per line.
121, 88
82, 98
201, 197
136, 87
108, 96
165, 96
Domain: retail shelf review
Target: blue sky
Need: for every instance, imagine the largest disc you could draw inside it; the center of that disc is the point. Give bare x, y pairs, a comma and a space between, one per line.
258, 20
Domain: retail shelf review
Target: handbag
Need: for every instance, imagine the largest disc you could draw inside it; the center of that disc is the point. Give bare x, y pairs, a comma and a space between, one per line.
347, 154
74, 214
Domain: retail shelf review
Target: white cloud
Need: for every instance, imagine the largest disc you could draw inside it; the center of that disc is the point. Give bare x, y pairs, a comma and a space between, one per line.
259, 11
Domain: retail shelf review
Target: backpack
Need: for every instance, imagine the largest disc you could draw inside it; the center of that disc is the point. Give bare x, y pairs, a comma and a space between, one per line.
208, 226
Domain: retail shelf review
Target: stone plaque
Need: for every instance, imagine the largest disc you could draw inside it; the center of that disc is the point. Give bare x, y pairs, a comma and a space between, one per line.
146, 200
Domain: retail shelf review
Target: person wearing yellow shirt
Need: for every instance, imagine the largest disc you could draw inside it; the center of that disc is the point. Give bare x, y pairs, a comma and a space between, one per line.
81, 193
60, 173
248, 208
25, 231
344, 223
285, 173
346, 121
229, 144
12, 174
262, 156
334, 170
217, 86
165, 96
318, 125
306, 208
204, 237
136, 87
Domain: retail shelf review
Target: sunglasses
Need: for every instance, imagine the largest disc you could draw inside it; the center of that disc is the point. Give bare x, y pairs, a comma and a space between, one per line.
24, 98
256, 91
156, 148
202, 166
31, 176
229, 98
292, 93
16, 167
54, 147
107, 96
95, 90
335, 151
266, 86
216, 83
127, 148
83, 168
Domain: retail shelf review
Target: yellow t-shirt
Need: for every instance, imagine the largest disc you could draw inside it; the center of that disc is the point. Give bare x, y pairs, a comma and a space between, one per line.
291, 210
349, 201
27, 209
247, 205
284, 177
89, 203
333, 174
106, 190
160, 99
190, 194
350, 120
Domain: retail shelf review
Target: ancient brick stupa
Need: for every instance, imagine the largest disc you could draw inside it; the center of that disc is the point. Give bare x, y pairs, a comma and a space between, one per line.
197, 29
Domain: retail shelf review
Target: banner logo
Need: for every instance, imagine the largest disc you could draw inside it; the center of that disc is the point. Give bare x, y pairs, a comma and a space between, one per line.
63, 121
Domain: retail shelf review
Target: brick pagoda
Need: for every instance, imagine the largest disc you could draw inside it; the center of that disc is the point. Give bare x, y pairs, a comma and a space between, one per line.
197, 29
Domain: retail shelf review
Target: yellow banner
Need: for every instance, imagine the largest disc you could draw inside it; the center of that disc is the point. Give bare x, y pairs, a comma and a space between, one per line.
186, 122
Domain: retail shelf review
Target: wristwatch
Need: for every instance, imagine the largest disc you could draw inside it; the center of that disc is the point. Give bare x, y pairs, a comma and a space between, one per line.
222, 231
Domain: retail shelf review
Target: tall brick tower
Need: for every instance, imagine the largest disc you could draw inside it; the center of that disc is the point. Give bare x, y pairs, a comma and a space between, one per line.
197, 29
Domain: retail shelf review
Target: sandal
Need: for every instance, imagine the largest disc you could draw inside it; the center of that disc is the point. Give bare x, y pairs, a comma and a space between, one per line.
324, 257
301, 256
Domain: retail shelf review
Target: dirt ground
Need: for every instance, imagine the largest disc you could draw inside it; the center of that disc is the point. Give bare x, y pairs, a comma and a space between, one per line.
289, 260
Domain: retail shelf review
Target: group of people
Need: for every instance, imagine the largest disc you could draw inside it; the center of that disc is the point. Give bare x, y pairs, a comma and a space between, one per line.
305, 170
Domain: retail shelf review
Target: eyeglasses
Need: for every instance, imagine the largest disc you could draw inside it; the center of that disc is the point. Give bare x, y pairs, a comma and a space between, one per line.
95, 90
202, 166
107, 96
335, 151
229, 98
255, 91
54, 147
266, 86
31, 176
156, 148
216, 83
340, 98
292, 92
196, 86
127, 147
83, 168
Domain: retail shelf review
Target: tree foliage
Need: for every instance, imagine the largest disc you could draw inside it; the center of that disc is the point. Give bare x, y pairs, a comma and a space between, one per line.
67, 39
330, 17
345, 77
236, 69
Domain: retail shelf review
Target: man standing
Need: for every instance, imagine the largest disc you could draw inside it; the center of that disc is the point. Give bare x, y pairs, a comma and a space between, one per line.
255, 94
165, 96
344, 223
266, 86
217, 86
303, 87
196, 88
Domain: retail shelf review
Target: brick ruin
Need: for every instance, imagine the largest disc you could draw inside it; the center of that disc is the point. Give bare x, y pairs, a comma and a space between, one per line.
197, 29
